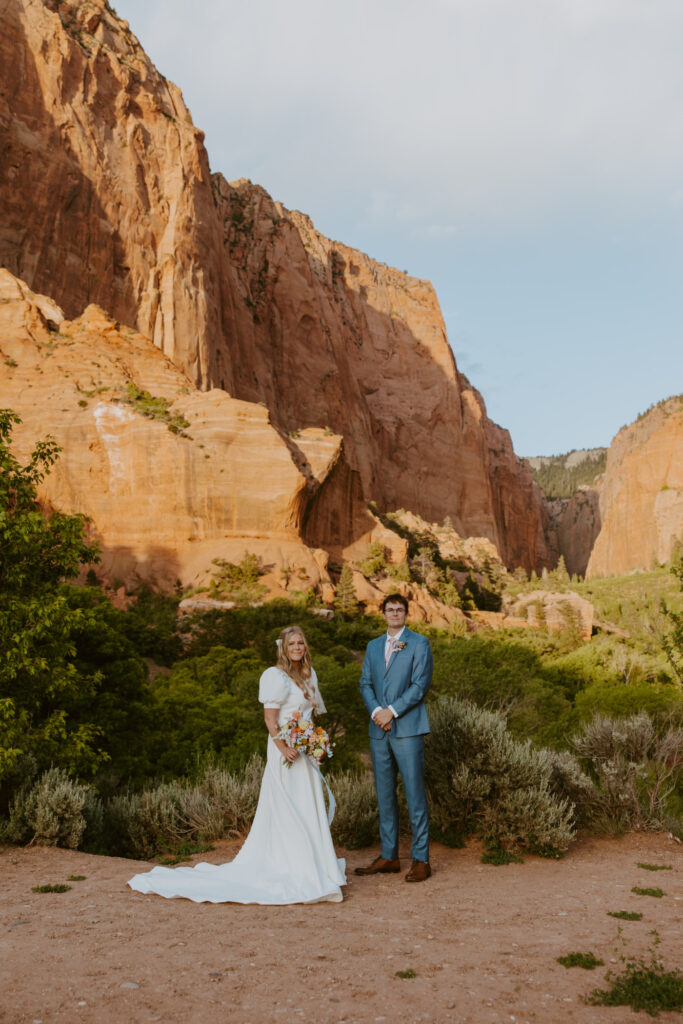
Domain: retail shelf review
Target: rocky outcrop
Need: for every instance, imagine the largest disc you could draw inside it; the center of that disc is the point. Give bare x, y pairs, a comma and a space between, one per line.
171, 477
641, 496
555, 611
107, 198
576, 524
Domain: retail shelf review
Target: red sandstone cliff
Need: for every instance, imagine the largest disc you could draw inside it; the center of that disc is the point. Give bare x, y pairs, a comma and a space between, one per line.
163, 502
106, 197
576, 525
641, 496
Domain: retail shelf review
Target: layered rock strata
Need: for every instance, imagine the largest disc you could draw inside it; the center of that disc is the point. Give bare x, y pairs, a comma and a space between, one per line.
107, 198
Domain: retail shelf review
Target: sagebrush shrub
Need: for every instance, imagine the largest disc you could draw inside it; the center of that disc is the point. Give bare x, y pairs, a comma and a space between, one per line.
221, 803
481, 780
356, 821
635, 767
52, 811
232, 798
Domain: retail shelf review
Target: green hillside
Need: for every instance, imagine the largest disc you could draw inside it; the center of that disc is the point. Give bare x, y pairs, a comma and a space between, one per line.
561, 475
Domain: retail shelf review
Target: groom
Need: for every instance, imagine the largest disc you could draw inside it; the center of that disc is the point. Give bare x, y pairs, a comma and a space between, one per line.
396, 675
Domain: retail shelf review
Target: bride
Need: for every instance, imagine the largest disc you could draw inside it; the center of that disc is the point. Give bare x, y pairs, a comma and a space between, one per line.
288, 856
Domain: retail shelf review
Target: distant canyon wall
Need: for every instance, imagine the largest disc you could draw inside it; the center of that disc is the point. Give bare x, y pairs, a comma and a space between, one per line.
631, 517
641, 495
107, 197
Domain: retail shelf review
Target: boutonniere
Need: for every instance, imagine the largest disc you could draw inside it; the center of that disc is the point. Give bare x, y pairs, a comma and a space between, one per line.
400, 645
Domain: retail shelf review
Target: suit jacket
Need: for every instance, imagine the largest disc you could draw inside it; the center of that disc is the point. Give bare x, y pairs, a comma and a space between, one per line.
402, 683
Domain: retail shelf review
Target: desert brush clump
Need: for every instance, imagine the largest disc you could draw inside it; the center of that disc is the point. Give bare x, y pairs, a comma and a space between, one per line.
589, 961
356, 821
53, 811
636, 768
643, 984
481, 780
166, 816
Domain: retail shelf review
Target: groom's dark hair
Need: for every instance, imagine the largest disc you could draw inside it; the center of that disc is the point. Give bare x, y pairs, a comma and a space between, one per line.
397, 599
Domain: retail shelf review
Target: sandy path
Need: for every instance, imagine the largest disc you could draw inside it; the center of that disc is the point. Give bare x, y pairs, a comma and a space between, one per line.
482, 941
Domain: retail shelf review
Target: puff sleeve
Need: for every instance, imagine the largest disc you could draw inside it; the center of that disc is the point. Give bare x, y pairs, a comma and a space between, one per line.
273, 687
319, 702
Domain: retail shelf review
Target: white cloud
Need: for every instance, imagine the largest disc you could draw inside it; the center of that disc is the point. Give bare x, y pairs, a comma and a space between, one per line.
464, 111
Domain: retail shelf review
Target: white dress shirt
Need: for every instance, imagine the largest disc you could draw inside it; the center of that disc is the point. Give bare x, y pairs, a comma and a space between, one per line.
389, 647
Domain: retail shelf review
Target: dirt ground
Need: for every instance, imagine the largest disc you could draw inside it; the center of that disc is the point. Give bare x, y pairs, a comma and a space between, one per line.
482, 942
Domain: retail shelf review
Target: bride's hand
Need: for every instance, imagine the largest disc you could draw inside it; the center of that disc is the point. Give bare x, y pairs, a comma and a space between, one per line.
289, 753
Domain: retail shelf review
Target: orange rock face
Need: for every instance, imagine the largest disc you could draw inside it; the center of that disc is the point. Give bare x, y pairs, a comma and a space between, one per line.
106, 198
641, 497
165, 496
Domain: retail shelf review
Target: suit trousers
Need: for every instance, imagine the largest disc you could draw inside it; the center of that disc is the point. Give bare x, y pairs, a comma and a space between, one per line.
404, 754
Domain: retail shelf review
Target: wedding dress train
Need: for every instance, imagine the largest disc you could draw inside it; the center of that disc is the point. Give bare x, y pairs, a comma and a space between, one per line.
288, 856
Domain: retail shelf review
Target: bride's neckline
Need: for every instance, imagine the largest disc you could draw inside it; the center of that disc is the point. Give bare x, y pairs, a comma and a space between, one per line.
310, 700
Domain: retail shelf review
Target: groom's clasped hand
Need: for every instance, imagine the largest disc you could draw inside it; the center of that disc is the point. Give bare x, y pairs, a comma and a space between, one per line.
397, 672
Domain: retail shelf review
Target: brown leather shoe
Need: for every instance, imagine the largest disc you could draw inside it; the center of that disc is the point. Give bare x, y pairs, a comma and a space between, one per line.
419, 871
380, 866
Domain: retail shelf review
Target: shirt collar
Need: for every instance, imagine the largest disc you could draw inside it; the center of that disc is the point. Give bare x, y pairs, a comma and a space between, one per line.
396, 636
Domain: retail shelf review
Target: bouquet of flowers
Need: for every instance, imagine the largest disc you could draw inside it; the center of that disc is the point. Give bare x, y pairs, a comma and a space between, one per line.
306, 738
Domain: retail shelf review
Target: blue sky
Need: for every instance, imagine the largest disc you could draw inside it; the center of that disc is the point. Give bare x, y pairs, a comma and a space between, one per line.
526, 156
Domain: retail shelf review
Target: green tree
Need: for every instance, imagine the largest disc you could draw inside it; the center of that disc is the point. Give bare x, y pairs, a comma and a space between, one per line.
208, 707
345, 598
560, 573
375, 562
672, 642
238, 583
38, 674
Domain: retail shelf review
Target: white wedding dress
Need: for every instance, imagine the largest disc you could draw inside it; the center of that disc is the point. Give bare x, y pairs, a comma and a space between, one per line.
288, 856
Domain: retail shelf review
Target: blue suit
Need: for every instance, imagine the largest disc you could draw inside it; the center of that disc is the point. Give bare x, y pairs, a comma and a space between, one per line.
402, 684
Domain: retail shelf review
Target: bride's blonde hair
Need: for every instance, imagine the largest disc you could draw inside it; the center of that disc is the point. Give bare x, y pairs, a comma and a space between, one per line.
299, 671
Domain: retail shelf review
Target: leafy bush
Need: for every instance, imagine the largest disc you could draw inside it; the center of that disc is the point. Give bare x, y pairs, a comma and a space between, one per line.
635, 768
375, 562
38, 676
207, 707
588, 961
222, 803
174, 813
642, 984
237, 582
480, 779
52, 812
502, 672
356, 822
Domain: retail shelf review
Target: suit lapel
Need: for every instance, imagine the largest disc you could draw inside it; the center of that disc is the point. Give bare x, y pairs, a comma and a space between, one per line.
405, 637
